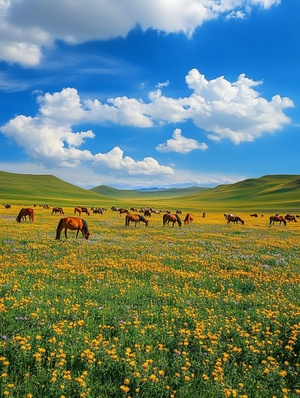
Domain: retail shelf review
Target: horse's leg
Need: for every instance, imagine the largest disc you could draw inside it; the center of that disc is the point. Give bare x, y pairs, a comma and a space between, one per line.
66, 233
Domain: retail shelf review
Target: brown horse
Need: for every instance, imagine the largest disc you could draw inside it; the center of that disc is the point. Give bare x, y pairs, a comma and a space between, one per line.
57, 210
80, 210
136, 218
122, 211
189, 218
73, 223
277, 218
290, 217
26, 211
173, 218
234, 219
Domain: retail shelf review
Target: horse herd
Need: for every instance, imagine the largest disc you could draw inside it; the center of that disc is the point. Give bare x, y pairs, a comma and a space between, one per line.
78, 224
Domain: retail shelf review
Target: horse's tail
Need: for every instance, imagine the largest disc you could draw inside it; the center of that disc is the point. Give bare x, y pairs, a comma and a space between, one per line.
127, 220
164, 219
178, 220
59, 228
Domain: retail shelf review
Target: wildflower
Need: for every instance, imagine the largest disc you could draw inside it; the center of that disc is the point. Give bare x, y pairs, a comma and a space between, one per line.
283, 373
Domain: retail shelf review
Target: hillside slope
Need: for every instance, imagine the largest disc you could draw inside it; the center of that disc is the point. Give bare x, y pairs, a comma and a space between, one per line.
41, 189
272, 192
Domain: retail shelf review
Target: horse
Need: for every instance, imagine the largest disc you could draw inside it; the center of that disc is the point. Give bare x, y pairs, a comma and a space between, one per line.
7, 206
173, 218
80, 210
73, 223
189, 218
235, 219
97, 210
277, 218
226, 215
290, 217
136, 218
26, 211
147, 213
254, 215
57, 210
122, 211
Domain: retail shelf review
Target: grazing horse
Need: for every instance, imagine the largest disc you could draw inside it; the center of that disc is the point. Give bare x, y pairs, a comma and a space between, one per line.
277, 218
173, 218
73, 223
290, 217
147, 213
80, 210
226, 215
7, 206
234, 219
57, 210
26, 211
254, 215
189, 218
97, 210
136, 218
122, 211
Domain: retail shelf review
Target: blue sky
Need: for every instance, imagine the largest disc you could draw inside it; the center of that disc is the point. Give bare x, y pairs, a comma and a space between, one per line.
134, 94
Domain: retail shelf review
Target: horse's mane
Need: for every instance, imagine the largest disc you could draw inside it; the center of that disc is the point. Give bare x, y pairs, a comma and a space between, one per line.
85, 227
142, 218
60, 223
178, 219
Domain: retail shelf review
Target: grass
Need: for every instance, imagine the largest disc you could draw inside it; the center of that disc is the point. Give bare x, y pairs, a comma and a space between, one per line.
208, 309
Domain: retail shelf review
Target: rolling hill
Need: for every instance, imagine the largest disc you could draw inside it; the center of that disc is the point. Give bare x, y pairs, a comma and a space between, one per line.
271, 192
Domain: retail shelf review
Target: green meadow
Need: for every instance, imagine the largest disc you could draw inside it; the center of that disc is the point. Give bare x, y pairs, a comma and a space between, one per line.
209, 309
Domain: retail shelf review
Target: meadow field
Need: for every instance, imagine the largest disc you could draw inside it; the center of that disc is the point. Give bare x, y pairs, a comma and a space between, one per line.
207, 310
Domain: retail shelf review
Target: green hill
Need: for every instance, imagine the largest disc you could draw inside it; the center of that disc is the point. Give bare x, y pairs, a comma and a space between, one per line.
42, 189
271, 192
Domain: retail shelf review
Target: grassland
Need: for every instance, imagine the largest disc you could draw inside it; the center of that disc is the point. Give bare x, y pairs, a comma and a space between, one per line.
206, 310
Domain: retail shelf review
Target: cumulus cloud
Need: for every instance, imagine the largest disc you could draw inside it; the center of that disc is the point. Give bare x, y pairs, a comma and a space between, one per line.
24, 33
179, 143
234, 110
115, 160
222, 109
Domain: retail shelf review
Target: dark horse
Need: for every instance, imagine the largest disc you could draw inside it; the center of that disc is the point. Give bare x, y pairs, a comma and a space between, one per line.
290, 217
189, 218
136, 218
26, 211
173, 218
80, 210
234, 219
277, 218
73, 223
57, 210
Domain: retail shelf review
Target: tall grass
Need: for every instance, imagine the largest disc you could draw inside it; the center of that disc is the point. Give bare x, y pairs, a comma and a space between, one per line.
205, 310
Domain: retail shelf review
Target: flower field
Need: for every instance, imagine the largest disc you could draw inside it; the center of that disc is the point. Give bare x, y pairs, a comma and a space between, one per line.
206, 310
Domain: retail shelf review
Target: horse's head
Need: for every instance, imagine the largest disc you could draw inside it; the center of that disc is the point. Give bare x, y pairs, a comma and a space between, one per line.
87, 235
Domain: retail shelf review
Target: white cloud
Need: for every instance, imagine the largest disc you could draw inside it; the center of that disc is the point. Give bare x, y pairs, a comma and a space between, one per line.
234, 110
26, 27
180, 144
114, 160
225, 110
